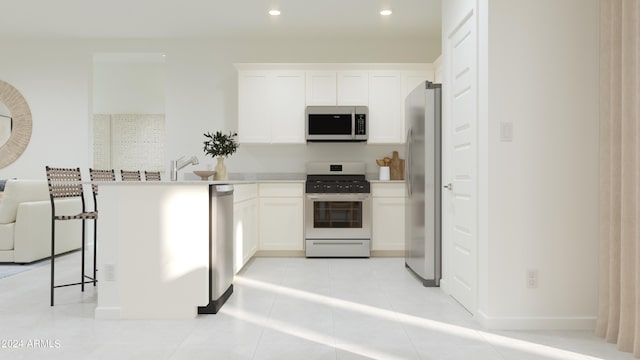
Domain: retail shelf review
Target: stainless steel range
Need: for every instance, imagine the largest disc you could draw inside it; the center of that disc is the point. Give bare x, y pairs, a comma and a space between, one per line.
337, 210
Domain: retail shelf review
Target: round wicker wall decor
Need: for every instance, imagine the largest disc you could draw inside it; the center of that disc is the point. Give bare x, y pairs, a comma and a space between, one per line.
21, 126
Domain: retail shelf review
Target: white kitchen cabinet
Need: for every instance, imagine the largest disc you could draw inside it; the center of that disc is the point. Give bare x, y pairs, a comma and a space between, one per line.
271, 106
321, 88
253, 122
281, 217
353, 88
337, 88
245, 224
272, 97
386, 124
287, 107
388, 201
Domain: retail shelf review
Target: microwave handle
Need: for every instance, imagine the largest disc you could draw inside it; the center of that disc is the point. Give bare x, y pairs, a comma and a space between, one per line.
353, 123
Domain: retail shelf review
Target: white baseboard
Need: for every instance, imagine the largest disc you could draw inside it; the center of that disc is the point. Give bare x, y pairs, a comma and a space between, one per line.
280, 253
535, 323
107, 313
529, 322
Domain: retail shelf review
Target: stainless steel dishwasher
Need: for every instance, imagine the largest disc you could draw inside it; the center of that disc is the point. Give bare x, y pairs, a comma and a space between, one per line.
220, 247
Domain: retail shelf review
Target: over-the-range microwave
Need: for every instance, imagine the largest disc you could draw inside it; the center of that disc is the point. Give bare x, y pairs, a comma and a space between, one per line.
336, 123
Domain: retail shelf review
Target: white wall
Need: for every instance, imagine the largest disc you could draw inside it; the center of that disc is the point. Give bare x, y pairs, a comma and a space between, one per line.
55, 78
541, 193
128, 86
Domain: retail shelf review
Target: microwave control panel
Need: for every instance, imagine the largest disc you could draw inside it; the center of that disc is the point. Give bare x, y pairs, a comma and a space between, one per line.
361, 124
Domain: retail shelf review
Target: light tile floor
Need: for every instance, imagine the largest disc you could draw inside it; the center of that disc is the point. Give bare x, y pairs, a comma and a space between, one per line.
281, 308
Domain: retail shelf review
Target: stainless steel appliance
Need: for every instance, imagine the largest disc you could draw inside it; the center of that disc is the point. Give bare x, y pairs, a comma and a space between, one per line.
336, 123
423, 172
337, 210
220, 247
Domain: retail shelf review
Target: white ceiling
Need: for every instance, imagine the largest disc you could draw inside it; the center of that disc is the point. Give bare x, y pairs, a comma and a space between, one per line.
217, 18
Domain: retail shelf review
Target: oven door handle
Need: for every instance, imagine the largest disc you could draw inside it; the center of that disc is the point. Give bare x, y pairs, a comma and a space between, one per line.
345, 197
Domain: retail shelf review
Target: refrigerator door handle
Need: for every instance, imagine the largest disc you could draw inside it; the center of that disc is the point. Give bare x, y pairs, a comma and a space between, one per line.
408, 167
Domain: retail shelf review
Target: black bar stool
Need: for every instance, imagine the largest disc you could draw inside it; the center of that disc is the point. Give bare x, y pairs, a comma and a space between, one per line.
66, 183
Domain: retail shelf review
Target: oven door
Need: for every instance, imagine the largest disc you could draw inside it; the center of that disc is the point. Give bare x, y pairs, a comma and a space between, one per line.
338, 216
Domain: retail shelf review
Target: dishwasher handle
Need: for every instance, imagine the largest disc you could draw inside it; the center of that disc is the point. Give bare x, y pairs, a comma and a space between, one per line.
221, 190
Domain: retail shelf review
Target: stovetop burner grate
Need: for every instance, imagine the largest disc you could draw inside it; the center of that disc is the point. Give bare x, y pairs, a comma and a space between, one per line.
337, 184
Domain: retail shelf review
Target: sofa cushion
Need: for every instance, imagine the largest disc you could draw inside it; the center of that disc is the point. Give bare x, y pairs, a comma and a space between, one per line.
17, 191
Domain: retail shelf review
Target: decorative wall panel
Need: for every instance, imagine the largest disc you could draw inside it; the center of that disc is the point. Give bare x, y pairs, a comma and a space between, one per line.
129, 141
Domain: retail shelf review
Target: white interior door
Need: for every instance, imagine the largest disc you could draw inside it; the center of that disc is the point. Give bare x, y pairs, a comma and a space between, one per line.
460, 210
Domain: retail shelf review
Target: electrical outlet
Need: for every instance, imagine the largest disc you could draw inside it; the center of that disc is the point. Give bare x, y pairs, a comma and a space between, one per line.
109, 272
532, 279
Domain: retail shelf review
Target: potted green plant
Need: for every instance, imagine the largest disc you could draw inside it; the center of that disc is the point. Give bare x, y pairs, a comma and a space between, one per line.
220, 146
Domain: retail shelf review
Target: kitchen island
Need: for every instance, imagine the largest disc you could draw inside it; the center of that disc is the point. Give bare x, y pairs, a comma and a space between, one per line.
153, 245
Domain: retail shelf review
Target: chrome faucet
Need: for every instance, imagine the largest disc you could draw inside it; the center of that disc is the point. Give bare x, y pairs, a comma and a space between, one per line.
181, 163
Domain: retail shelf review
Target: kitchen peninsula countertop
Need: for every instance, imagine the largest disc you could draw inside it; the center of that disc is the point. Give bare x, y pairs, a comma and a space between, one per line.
241, 178
386, 181
236, 178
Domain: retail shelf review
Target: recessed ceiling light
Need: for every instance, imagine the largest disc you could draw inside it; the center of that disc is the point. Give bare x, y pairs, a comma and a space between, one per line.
386, 12
274, 12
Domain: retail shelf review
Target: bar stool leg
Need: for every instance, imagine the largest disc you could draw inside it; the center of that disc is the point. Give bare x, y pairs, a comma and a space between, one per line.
95, 249
82, 275
53, 256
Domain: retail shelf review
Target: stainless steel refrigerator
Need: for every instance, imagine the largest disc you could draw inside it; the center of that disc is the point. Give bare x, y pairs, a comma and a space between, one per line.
423, 169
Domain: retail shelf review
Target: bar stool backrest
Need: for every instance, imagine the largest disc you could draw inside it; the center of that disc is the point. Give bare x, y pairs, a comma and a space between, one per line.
100, 175
152, 176
64, 182
130, 175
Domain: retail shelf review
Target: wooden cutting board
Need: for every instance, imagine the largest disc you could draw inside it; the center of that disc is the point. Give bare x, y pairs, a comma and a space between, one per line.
396, 167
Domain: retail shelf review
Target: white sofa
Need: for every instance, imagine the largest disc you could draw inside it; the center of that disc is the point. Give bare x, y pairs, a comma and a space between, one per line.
25, 222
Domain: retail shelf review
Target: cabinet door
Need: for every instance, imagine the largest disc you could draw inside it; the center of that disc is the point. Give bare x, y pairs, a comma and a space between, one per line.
245, 232
287, 107
253, 107
281, 224
321, 88
239, 236
386, 124
388, 223
353, 88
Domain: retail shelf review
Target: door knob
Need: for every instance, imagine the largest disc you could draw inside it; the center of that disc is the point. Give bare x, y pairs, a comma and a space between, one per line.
449, 187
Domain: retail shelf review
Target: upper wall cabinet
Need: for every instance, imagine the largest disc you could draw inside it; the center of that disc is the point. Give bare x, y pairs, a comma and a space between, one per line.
271, 106
253, 126
272, 97
386, 124
353, 88
322, 88
337, 88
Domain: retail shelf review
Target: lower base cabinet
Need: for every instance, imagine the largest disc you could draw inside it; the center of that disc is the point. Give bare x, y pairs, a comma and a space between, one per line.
245, 224
281, 217
387, 233
270, 217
